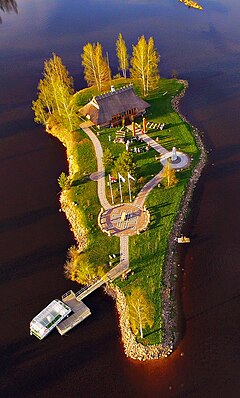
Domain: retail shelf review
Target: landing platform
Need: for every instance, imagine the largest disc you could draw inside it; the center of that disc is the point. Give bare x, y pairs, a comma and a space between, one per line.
80, 312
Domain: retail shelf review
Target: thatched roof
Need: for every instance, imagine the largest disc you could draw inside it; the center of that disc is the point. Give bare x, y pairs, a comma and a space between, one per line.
102, 108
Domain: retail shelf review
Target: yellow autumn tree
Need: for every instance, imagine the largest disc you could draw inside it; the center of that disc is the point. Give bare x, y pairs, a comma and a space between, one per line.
169, 175
141, 311
55, 103
78, 267
144, 61
122, 55
96, 69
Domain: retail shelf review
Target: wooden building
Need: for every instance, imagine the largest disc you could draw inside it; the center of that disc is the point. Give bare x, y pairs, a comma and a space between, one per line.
110, 108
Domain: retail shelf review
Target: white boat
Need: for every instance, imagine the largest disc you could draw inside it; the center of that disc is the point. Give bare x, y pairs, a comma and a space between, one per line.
48, 318
183, 239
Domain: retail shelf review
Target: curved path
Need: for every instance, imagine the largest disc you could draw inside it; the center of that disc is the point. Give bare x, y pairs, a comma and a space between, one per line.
165, 154
98, 176
141, 196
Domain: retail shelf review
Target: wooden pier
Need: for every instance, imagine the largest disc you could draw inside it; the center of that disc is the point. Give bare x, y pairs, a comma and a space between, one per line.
74, 300
79, 309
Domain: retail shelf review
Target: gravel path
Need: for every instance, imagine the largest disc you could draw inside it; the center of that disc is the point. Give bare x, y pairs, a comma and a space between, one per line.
141, 196
99, 175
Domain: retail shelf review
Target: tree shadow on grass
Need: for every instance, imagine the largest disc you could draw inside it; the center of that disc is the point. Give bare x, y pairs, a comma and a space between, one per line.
152, 332
156, 214
81, 180
169, 125
166, 215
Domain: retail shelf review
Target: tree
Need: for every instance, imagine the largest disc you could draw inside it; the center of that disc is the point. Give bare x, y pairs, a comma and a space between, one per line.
122, 55
96, 69
78, 267
125, 164
107, 158
64, 181
55, 103
141, 311
169, 175
144, 63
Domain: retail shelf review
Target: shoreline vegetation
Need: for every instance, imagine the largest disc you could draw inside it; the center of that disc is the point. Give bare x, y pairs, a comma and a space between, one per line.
149, 333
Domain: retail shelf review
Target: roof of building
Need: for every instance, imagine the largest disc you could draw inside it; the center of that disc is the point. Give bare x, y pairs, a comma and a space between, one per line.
49, 317
103, 107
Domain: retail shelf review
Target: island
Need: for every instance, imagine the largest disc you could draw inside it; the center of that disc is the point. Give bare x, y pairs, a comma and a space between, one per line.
134, 161
191, 4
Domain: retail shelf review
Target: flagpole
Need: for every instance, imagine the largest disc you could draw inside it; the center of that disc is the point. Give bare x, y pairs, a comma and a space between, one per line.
120, 188
110, 184
129, 189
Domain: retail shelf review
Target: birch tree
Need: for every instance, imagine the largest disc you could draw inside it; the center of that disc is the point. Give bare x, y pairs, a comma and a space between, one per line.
96, 69
152, 72
141, 311
122, 55
55, 103
144, 63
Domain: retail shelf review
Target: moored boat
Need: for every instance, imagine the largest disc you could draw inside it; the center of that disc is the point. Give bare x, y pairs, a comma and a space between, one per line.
48, 318
183, 239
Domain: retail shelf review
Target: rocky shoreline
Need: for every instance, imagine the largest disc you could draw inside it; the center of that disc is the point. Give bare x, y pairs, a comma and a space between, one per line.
132, 348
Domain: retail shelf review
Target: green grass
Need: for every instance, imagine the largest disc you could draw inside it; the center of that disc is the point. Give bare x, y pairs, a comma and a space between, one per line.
148, 250
83, 193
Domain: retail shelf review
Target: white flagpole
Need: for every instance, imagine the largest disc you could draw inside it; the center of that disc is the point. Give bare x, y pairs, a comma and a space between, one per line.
129, 189
120, 187
110, 184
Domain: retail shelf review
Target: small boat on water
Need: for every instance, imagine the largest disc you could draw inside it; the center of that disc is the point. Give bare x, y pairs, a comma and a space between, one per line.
183, 239
48, 318
193, 4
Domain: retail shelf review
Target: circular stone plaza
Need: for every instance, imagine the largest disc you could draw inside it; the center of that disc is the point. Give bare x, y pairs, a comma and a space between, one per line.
127, 219
124, 220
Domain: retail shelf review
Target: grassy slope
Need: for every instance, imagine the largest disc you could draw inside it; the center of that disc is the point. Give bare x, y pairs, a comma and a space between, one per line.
147, 251
84, 193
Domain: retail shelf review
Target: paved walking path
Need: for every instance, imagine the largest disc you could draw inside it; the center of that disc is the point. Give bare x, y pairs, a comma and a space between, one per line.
149, 141
124, 254
109, 217
141, 196
165, 154
99, 175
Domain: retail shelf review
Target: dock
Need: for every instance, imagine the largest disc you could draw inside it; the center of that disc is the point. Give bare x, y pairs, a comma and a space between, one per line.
79, 309
71, 308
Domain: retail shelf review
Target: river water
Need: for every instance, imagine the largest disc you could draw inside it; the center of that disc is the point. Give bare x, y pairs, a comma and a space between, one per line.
203, 47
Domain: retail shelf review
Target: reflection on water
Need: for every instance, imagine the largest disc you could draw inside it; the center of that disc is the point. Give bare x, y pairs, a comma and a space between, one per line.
8, 6
89, 362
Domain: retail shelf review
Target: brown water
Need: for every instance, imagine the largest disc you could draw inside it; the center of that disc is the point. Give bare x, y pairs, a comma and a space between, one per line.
89, 362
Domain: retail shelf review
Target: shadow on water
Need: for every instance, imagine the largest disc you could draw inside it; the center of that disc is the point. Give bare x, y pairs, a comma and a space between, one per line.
24, 265
8, 6
27, 218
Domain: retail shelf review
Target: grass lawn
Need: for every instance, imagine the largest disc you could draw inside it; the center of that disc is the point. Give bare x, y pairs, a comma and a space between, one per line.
83, 193
148, 250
